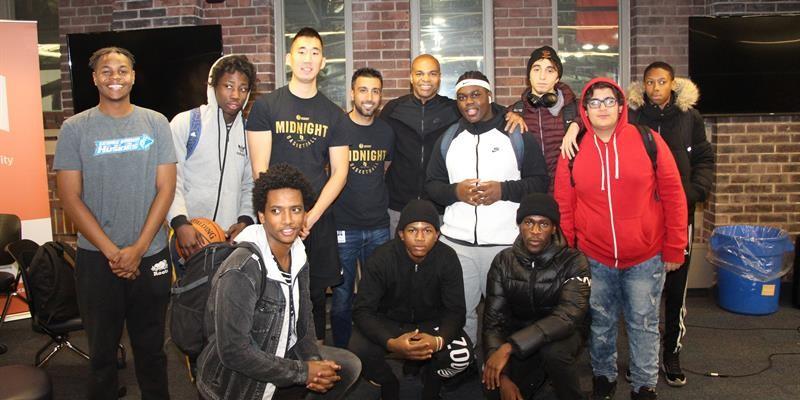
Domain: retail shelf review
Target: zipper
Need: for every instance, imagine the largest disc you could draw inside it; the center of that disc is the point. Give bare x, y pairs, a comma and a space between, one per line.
541, 131
422, 151
611, 207
413, 313
477, 176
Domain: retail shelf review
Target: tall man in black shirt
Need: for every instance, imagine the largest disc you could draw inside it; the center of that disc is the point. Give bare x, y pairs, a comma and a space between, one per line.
298, 125
362, 223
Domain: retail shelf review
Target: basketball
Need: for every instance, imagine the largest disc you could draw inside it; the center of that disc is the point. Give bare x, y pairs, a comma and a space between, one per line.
209, 230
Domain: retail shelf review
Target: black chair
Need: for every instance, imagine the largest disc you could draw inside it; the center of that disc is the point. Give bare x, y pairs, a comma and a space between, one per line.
23, 251
10, 231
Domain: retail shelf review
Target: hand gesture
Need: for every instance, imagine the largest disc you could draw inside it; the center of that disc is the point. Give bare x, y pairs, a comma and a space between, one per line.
189, 240
493, 368
322, 375
408, 348
467, 191
489, 192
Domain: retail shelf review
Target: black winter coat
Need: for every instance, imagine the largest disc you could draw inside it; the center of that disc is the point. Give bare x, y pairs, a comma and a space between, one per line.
681, 126
535, 300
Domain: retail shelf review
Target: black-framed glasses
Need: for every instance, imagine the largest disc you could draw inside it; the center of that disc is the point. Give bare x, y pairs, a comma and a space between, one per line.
608, 102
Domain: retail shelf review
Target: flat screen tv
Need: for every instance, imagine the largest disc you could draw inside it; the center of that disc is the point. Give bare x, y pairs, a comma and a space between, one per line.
746, 64
171, 65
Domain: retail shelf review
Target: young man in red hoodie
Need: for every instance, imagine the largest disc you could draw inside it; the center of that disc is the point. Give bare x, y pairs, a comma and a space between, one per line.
629, 217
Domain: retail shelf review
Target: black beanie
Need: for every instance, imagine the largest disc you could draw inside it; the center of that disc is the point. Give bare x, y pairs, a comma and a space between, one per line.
538, 204
418, 211
548, 53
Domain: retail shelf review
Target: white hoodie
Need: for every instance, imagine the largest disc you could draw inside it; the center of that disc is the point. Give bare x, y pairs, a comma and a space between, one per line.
198, 177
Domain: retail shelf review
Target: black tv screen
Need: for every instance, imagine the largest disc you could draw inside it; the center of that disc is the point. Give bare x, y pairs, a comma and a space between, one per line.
746, 64
171, 65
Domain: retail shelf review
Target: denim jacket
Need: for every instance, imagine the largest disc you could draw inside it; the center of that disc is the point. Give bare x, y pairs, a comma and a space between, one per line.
243, 330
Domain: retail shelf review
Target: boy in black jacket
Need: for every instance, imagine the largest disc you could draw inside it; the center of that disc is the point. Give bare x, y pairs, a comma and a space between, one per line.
411, 303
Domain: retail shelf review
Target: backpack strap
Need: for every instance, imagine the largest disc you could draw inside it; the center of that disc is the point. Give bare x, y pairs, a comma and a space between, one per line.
195, 129
649, 144
518, 145
447, 139
261, 266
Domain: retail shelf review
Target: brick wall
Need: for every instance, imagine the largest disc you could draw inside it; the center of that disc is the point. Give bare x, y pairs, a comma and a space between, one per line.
246, 29
519, 27
382, 40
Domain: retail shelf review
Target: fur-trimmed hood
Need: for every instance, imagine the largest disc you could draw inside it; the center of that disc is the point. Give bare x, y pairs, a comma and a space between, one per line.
685, 93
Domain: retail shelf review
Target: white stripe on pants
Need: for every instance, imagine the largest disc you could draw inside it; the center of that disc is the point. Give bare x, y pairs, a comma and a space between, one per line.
475, 263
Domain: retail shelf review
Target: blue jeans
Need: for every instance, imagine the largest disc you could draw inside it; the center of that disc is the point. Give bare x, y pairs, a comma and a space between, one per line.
358, 245
635, 291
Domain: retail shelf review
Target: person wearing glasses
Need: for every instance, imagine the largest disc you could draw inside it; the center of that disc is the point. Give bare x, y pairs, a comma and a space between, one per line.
627, 213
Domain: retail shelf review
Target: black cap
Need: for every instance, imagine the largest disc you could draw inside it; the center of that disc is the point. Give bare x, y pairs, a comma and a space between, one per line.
538, 204
548, 53
418, 211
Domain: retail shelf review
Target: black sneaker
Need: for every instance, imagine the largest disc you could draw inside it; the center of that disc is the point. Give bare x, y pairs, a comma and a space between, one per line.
628, 375
602, 389
671, 365
644, 393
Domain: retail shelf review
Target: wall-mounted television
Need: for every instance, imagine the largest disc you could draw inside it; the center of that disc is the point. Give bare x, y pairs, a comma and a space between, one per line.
746, 64
171, 65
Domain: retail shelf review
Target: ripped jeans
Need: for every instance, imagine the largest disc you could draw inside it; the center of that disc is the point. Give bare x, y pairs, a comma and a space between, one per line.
636, 292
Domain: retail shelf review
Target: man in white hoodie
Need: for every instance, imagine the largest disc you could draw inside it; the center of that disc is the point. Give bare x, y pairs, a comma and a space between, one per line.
214, 176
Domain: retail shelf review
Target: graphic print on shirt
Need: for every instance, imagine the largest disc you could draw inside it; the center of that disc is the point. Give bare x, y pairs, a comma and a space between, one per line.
301, 133
365, 160
123, 145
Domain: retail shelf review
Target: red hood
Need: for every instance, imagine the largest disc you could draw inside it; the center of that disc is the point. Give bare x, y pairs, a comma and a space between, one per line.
623, 116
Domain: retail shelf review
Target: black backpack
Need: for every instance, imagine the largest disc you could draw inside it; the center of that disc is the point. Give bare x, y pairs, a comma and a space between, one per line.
190, 294
52, 277
647, 139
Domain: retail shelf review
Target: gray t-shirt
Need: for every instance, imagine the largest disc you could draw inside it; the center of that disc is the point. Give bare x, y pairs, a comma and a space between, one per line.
117, 158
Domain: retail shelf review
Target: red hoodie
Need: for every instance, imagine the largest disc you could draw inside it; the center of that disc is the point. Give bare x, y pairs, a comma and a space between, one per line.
613, 210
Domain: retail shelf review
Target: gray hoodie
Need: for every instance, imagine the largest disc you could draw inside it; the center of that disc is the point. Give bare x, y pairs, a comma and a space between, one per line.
198, 179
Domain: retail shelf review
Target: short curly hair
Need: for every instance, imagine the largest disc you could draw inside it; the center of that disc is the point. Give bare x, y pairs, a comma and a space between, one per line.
99, 53
231, 64
281, 176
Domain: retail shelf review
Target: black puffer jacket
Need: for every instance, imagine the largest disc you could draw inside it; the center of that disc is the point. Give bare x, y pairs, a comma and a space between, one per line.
681, 126
535, 300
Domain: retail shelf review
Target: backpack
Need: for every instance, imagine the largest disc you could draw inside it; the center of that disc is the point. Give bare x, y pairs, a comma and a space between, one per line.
190, 293
647, 139
195, 130
52, 278
515, 136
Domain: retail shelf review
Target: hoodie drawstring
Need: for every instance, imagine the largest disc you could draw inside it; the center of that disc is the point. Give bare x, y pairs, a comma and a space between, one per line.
616, 159
602, 165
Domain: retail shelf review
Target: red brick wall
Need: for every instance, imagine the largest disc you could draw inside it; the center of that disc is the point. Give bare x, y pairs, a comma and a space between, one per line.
519, 27
382, 40
246, 29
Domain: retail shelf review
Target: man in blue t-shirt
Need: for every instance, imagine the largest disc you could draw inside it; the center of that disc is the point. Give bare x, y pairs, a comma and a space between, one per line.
362, 220
298, 125
116, 180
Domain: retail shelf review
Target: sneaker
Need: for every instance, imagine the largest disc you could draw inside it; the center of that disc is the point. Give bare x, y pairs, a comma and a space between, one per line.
628, 375
644, 393
671, 365
602, 389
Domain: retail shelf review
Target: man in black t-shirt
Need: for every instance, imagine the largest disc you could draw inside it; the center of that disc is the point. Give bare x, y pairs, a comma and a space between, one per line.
298, 125
362, 223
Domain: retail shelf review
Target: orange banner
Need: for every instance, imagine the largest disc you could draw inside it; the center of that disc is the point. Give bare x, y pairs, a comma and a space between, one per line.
23, 170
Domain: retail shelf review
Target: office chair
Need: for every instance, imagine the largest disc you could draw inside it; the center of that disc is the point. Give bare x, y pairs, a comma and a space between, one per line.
10, 231
22, 251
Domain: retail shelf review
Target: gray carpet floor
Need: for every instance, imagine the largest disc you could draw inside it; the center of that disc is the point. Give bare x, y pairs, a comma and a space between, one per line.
717, 341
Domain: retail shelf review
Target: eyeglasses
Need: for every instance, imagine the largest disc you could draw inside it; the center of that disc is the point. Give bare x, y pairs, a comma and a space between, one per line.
608, 101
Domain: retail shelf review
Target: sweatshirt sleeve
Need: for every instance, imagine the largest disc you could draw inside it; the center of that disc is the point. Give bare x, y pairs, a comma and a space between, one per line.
533, 174
564, 193
180, 132
673, 202
495, 309
371, 289
438, 184
452, 295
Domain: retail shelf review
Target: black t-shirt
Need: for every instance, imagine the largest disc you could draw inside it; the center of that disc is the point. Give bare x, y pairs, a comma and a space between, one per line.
302, 131
364, 200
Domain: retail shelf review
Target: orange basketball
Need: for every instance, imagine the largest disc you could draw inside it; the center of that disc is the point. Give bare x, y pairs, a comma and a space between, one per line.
210, 230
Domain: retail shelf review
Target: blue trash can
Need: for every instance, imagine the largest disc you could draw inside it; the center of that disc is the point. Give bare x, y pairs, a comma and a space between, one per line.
749, 260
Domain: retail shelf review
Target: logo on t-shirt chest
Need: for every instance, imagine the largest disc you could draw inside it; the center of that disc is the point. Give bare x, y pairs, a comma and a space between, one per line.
365, 160
123, 145
301, 133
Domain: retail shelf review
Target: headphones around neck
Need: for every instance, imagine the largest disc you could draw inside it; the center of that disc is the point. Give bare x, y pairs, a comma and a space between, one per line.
547, 100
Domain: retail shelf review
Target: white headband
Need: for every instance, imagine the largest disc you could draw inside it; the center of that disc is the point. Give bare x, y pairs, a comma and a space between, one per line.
473, 82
